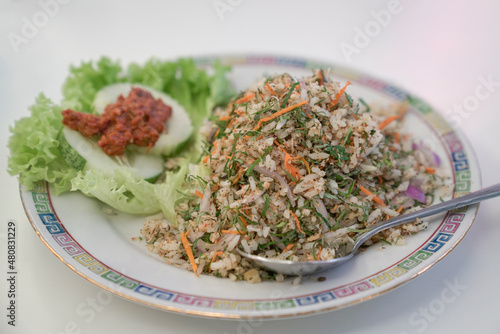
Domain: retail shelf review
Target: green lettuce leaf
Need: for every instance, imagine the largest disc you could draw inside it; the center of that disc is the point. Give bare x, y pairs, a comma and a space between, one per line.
34, 148
130, 194
86, 80
168, 193
221, 91
119, 189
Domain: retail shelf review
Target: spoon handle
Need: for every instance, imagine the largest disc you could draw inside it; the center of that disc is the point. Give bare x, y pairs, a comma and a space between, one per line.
469, 199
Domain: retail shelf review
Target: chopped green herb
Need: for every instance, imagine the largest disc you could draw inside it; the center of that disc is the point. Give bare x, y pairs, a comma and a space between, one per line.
266, 205
365, 104
285, 100
347, 139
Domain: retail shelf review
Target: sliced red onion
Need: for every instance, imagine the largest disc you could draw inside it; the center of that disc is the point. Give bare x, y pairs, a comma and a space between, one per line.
416, 193
429, 154
233, 243
437, 159
321, 209
280, 179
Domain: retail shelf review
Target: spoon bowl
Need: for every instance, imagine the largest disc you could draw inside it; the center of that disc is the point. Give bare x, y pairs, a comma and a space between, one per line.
296, 268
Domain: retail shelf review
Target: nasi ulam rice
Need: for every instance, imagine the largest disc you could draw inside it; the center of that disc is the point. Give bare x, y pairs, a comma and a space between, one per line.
294, 170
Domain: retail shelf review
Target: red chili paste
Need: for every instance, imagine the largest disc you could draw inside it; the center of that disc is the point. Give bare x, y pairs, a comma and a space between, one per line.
136, 119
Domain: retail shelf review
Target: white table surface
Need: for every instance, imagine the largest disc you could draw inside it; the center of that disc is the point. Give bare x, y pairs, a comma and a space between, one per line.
440, 51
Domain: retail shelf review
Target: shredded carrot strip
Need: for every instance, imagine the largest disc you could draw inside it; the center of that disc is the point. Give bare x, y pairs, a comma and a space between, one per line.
213, 258
230, 124
225, 118
396, 137
288, 247
259, 137
217, 133
393, 149
199, 194
355, 116
238, 175
305, 163
339, 94
399, 209
231, 232
321, 81
335, 207
244, 221
189, 252
430, 170
268, 86
291, 168
387, 121
375, 197
297, 222
379, 179
319, 251
279, 113
205, 159
245, 98
217, 254
288, 166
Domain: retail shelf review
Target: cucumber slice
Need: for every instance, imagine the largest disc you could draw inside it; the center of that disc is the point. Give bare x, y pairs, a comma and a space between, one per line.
72, 157
149, 166
84, 154
85, 151
178, 128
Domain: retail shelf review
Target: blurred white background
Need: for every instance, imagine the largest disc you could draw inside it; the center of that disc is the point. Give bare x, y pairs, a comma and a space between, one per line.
441, 51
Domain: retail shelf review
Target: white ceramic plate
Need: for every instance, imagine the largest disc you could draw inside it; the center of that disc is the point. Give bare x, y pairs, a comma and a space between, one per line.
99, 247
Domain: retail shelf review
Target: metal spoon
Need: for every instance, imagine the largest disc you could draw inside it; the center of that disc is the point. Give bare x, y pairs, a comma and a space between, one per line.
295, 268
